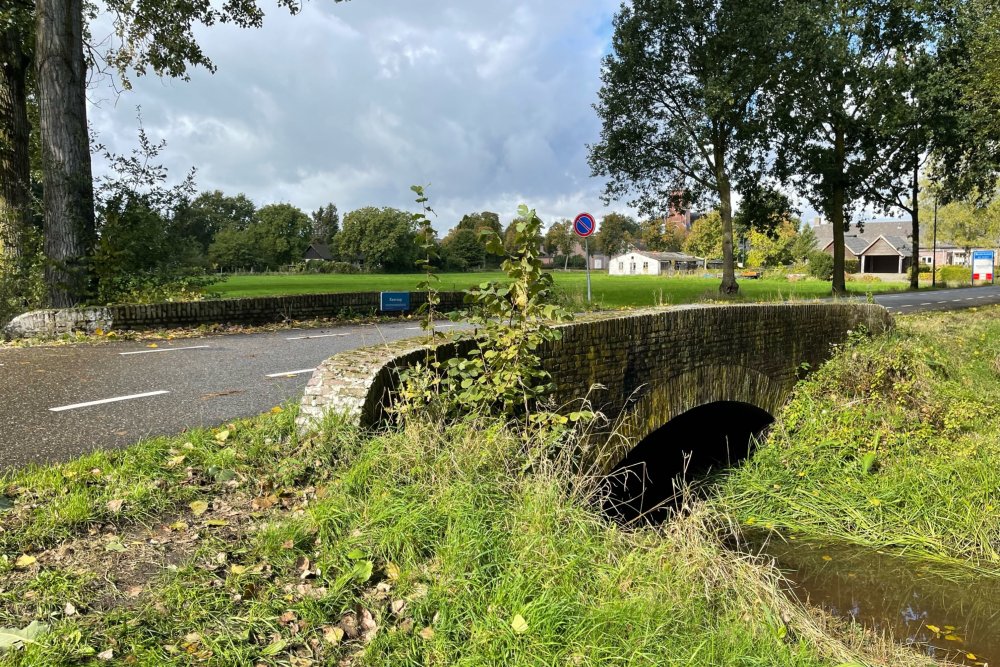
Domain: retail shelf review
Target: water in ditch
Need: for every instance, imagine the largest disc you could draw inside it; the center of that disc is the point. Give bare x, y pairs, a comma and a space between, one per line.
941, 611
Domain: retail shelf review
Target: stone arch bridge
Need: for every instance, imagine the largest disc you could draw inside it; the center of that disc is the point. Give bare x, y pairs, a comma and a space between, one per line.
646, 366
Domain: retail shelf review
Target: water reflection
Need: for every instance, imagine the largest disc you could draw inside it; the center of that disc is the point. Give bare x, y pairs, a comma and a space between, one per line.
939, 610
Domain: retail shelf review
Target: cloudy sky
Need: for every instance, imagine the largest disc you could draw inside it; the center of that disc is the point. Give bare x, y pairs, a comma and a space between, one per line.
488, 102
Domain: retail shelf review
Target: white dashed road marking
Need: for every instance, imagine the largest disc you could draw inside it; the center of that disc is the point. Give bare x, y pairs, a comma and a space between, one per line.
107, 400
290, 373
165, 349
321, 336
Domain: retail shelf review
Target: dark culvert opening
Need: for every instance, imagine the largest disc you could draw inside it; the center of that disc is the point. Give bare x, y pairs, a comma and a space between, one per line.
646, 486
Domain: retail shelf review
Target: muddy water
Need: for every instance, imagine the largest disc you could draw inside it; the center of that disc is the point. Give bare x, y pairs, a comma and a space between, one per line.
942, 612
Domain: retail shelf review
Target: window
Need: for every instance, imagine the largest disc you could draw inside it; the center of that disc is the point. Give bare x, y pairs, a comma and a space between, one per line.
621, 266
598, 264
645, 266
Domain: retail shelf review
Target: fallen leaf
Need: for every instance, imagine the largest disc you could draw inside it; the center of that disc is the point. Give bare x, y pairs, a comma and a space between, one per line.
237, 569
153, 345
69, 609
392, 571
178, 526
106, 655
133, 591
274, 648
427, 633
222, 436
12, 637
264, 502
115, 506
368, 626
198, 507
216, 522
333, 635
518, 624
175, 461
24, 561
115, 545
277, 410
933, 628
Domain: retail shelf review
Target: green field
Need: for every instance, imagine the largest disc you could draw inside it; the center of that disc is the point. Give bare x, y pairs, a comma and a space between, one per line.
611, 292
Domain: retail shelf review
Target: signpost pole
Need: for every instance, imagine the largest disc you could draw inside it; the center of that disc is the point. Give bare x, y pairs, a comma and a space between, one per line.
585, 225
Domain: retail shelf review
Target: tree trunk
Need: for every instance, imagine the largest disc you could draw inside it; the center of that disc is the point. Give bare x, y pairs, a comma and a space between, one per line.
69, 187
15, 167
837, 201
729, 284
915, 216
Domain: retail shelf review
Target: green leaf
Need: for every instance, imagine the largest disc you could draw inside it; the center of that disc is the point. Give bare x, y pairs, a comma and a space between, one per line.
12, 637
274, 648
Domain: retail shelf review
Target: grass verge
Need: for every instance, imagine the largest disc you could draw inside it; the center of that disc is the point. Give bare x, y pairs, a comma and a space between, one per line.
250, 545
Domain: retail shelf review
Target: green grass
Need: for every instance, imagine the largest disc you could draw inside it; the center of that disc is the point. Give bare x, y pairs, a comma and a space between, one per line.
438, 536
892, 444
610, 291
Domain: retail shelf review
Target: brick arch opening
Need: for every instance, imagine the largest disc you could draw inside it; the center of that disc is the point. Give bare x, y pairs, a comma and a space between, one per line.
648, 483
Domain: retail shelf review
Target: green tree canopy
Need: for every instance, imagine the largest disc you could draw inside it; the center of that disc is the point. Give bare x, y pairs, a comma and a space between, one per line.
378, 238
705, 238
325, 224
210, 212
616, 234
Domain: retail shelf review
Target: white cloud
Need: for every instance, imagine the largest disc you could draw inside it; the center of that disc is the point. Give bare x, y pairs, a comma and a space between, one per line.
490, 103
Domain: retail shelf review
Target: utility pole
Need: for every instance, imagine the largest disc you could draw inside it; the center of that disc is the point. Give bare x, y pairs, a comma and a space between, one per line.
934, 256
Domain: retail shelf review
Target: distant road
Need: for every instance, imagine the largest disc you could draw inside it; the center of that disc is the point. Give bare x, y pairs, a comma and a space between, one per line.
59, 402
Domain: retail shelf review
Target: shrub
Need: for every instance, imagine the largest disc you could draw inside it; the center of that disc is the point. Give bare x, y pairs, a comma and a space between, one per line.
821, 265
575, 262
851, 266
954, 274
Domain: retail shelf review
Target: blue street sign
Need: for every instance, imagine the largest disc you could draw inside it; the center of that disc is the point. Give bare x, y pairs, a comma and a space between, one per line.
584, 225
983, 265
395, 301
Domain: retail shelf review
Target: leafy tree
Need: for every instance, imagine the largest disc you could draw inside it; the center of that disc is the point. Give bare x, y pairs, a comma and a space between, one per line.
232, 249
140, 254
705, 238
480, 224
805, 242
560, 239
658, 234
378, 238
774, 248
839, 85
210, 212
464, 249
325, 224
280, 235
616, 234
681, 102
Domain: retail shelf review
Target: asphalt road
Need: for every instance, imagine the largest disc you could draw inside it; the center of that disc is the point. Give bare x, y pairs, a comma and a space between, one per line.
54, 401
178, 385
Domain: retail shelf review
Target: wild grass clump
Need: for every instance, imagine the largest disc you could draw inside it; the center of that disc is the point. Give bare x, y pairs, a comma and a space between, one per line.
891, 444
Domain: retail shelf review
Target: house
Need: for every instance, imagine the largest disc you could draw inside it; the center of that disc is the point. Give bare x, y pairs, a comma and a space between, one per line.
319, 251
648, 263
854, 245
887, 254
947, 255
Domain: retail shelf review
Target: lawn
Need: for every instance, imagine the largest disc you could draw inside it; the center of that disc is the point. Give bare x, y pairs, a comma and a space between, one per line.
609, 291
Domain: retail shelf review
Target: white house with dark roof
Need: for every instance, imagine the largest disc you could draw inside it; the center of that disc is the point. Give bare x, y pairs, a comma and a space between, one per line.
649, 263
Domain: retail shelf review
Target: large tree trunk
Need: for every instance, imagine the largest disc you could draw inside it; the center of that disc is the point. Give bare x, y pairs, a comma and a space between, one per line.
69, 187
915, 216
15, 167
729, 284
837, 201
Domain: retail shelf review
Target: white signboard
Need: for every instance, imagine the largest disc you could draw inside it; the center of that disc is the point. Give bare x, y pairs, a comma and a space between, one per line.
983, 265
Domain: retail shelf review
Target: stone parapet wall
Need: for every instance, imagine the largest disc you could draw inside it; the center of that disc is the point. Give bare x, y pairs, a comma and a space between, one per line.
653, 365
258, 310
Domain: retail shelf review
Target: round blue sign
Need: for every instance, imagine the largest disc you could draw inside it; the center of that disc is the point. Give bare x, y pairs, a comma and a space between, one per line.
584, 225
